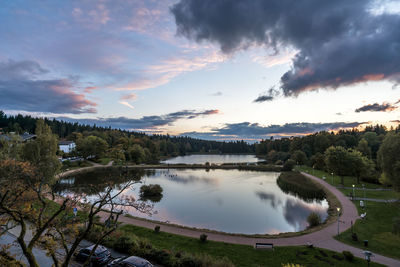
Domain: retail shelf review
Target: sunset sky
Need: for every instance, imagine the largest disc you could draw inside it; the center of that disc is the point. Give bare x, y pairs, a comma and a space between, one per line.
224, 70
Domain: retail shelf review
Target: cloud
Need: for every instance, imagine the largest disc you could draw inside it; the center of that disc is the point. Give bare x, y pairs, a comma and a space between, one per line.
90, 89
126, 104
339, 43
162, 73
217, 94
268, 96
22, 89
385, 107
255, 131
144, 123
131, 96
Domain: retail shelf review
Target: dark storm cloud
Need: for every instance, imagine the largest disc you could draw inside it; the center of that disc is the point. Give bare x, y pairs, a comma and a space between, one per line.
263, 98
248, 131
339, 42
268, 96
385, 107
144, 123
21, 89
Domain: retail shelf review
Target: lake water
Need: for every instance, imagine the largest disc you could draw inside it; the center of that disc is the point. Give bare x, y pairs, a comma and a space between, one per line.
215, 159
232, 201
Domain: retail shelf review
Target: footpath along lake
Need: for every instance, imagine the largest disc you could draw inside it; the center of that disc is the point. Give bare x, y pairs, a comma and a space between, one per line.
233, 201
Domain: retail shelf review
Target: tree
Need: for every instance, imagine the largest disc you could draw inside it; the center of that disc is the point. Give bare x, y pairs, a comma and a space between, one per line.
299, 157
26, 201
389, 159
41, 152
337, 160
137, 154
92, 146
360, 165
364, 148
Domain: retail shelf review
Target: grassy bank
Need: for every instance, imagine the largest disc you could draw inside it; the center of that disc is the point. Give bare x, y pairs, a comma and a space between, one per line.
298, 184
378, 225
377, 229
242, 255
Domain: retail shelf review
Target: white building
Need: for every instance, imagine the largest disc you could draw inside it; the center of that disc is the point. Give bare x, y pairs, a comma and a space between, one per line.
66, 146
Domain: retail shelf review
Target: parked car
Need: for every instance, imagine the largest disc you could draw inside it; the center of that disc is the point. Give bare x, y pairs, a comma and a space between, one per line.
131, 261
100, 256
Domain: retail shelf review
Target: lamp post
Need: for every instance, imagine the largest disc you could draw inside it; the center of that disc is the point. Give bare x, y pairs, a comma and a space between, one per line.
354, 196
338, 213
365, 201
332, 177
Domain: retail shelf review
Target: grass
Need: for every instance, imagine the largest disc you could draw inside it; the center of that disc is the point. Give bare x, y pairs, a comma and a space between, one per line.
378, 225
348, 180
372, 194
104, 161
377, 229
242, 255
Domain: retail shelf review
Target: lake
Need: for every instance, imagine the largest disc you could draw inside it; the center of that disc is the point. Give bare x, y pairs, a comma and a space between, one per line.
231, 201
212, 159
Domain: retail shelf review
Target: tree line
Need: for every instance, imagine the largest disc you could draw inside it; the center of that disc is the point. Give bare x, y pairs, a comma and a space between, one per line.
122, 145
371, 154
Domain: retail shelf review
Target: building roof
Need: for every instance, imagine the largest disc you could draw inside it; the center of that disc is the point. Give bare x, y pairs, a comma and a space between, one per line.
4, 137
65, 143
26, 136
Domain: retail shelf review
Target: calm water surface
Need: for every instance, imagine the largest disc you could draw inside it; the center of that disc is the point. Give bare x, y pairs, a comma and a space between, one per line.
225, 200
216, 159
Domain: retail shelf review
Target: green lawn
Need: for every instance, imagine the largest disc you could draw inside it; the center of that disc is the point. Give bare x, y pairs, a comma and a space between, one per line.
372, 194
104, 161
348, 181
377, 229
242, 255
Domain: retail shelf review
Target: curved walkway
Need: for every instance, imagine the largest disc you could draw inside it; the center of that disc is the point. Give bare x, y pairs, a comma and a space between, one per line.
323, 238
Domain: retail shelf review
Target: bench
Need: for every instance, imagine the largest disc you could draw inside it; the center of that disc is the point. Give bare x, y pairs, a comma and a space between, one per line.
264, 246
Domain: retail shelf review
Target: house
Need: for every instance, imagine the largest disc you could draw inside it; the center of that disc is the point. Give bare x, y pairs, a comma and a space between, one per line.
25, 137
66, 146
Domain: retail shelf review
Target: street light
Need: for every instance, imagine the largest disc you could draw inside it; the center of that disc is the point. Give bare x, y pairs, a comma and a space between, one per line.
338, 213
365, 201
332, 177
354, 195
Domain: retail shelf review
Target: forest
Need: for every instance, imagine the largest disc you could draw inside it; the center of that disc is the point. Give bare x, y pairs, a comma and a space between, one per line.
122, 144
359, 153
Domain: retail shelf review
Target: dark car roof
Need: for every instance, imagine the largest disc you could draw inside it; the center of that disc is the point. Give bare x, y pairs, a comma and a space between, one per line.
137, 261
99, 249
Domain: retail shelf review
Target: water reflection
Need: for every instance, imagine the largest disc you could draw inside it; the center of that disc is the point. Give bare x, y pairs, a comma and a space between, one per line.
226, 200
212, 159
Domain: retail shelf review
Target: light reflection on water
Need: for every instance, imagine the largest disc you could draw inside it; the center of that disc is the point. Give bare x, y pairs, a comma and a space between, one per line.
215, 159
232, 201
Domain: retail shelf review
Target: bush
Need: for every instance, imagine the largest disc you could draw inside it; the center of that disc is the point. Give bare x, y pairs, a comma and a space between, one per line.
314, 219
288, 165
396, 226
348, 255
203, 238
157, 229
125, 243
354, 237
151, 190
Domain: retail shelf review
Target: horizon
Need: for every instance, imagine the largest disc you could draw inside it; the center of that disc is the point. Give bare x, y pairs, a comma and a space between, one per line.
243, 70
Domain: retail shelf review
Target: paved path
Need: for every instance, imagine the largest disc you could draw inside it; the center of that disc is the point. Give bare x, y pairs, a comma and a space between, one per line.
323, 238
94, 166
376, 199
366, 189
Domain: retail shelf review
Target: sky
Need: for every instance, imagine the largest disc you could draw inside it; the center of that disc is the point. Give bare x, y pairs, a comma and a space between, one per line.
218, 70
